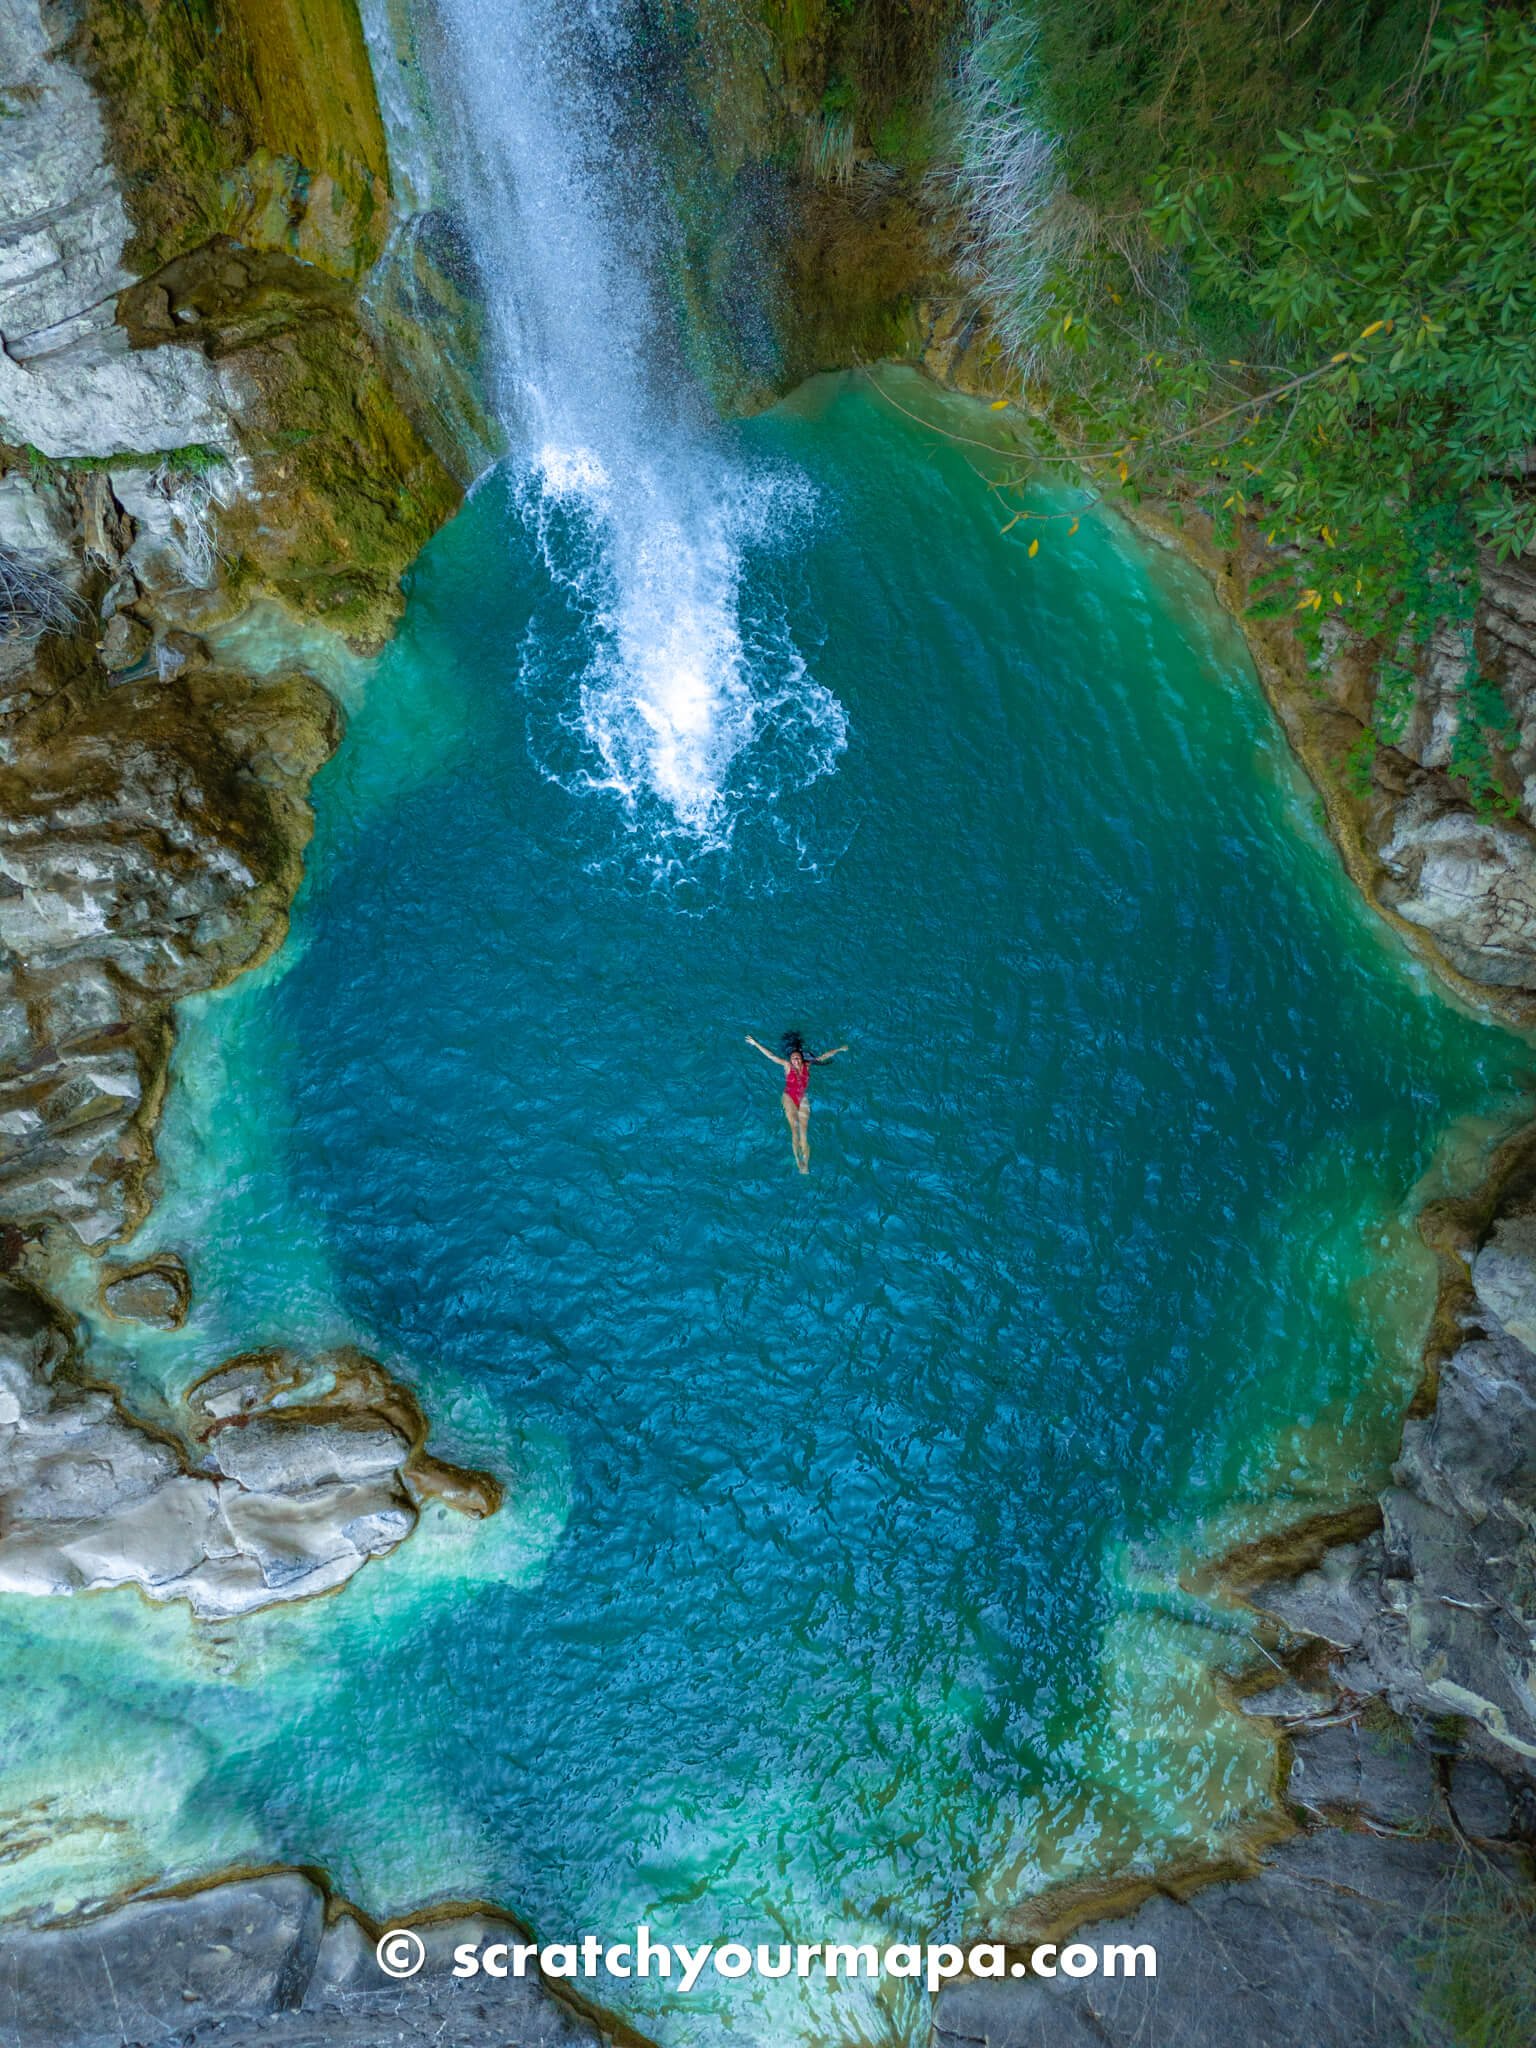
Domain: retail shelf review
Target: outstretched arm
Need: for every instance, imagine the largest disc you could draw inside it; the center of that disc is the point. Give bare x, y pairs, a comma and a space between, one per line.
767, 1055
822, 1057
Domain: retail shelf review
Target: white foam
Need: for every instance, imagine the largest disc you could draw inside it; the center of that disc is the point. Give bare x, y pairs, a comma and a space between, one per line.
642, 521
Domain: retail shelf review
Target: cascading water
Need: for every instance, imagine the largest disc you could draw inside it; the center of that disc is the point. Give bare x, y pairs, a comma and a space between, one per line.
645, 520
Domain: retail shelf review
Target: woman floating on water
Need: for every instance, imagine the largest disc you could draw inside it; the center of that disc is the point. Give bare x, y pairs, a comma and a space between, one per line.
797, 1064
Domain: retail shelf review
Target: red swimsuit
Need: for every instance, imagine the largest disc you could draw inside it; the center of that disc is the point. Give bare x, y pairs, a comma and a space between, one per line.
795, 1084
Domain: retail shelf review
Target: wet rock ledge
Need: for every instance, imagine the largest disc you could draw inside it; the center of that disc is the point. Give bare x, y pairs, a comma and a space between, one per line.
272, 1959
293, 1473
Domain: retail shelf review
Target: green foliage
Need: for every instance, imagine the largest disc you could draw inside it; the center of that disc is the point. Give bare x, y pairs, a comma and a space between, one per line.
1134, 87
1393, 706
1321, 316
1484, 728
1477, 1963
196, 458
1359, 762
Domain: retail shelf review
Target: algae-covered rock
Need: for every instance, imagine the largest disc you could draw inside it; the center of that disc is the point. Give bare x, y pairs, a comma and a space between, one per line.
157, 1291
149, 138
346, 493
256, 118
125, 642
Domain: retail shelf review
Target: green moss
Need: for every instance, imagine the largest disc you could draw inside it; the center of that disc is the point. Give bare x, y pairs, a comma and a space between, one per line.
348, 492
249, 117
197, 458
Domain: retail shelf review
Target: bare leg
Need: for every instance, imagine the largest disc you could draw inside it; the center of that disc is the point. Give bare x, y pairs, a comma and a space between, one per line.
794, 1129
803, 1138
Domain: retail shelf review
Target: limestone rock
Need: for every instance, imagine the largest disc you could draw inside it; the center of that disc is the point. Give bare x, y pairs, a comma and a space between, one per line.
1469, 882
74, 1005
1336, 1601
70, 382
260, 1960
1504, 1274
157, 1292
1438, 1612
34, 521
293, 1501
149, 846
1351, 1769
100, 396
273, 1450
1483, 1802
1293, 1958
152, 1970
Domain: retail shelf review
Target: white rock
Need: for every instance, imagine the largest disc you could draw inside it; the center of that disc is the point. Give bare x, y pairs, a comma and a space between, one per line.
34, 521
70, 384
271, 1451
101, 397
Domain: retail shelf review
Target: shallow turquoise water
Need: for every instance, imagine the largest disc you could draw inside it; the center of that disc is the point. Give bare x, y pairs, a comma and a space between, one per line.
837, 1584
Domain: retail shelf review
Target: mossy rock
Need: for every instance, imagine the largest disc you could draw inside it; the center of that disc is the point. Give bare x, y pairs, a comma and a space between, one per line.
249, 117
347, 491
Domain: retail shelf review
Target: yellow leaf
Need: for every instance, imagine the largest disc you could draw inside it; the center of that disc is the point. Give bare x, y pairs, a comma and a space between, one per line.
998, 404
1124, 472
1306, 599
1034, 547
1234, 362
1375, 328
1358, 586
1072, 529
1116, 297
1337, 598
1341, 357
1270, 537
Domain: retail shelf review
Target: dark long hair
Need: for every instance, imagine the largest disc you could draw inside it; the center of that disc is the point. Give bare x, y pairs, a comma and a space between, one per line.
794, 1042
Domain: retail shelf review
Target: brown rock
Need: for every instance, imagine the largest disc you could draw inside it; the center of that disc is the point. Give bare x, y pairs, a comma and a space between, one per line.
125, 642
158, 1292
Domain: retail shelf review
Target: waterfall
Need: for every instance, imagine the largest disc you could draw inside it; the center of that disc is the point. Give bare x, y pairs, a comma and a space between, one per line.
643, 515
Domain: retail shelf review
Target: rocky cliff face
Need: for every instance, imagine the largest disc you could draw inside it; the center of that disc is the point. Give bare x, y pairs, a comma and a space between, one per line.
189, 198
1457, 875
192, 408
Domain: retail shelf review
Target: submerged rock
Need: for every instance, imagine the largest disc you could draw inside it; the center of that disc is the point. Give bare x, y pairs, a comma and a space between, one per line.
289, 1501
158, 1292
